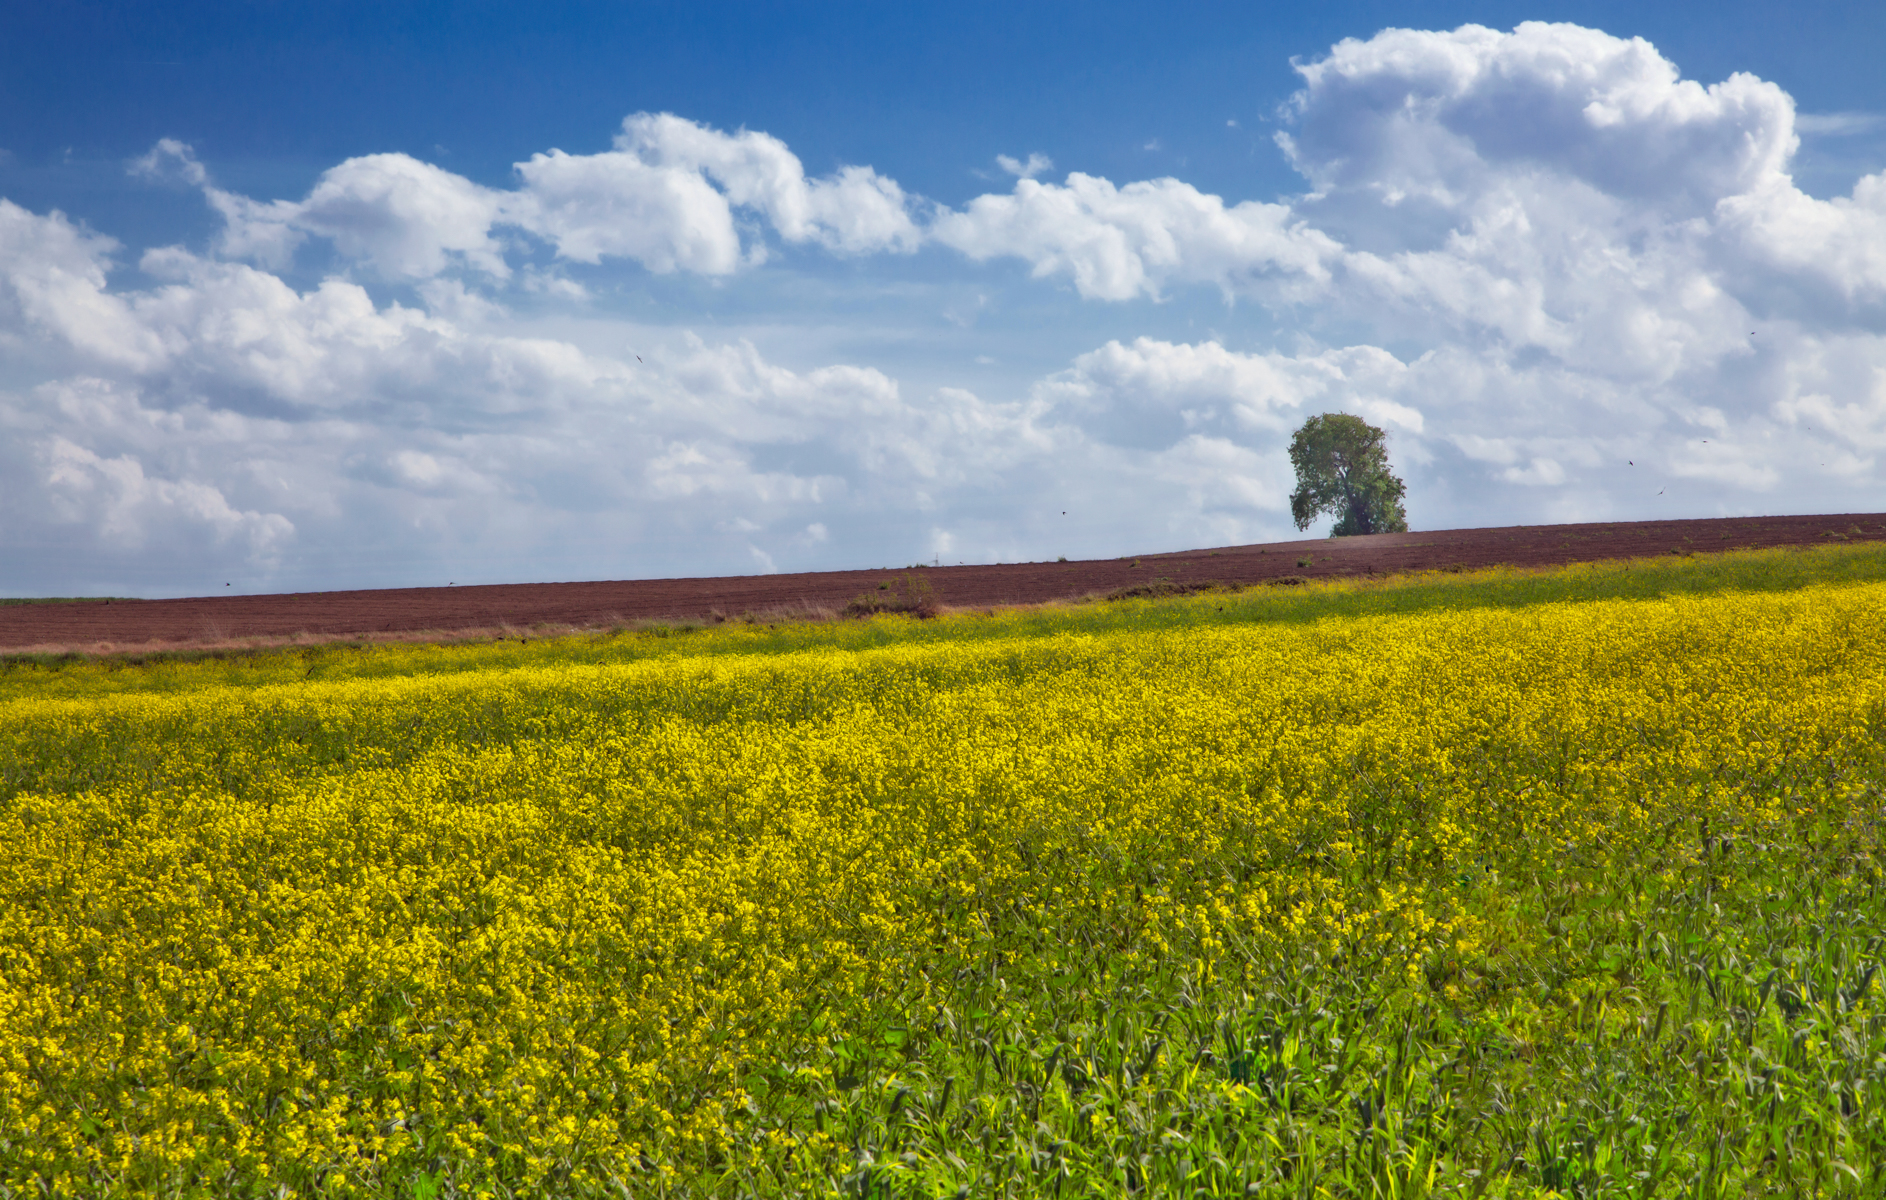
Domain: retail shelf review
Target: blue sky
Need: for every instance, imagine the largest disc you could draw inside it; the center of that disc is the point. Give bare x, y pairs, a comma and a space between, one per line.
308, 296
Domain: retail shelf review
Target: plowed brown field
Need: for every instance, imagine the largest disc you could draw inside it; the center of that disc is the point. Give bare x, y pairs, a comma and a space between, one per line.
210, 620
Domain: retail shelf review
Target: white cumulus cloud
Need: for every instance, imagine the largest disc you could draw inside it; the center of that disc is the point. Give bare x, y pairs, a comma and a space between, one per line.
1035, 164
669, 195
1116, 243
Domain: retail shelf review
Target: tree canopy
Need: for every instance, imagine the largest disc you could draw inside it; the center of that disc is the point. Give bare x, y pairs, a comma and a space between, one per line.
1342, 469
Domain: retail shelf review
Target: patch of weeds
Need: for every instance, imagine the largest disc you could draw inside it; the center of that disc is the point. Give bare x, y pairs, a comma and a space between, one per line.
912, 595
1163, 587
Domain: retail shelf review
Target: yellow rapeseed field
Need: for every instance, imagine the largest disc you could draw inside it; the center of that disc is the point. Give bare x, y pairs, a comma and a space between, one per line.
672, 925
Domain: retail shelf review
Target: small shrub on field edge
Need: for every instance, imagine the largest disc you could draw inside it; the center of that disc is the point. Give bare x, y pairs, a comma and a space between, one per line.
912, 595
1163, 587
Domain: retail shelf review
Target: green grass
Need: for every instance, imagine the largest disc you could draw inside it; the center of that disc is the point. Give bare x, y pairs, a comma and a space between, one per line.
1732, 571
1716, 1035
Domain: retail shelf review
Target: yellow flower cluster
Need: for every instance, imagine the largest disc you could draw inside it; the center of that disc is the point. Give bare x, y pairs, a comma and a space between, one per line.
526, 930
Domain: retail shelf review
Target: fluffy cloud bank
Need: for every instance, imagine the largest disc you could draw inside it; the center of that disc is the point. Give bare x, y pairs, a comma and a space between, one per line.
669, 195
1610, 271
234, 426
1565, 278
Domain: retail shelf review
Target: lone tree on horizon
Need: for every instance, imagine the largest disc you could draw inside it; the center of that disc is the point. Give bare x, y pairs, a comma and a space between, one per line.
1342, 468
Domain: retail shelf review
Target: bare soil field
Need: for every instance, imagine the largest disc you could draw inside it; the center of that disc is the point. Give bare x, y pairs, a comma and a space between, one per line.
410, 613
